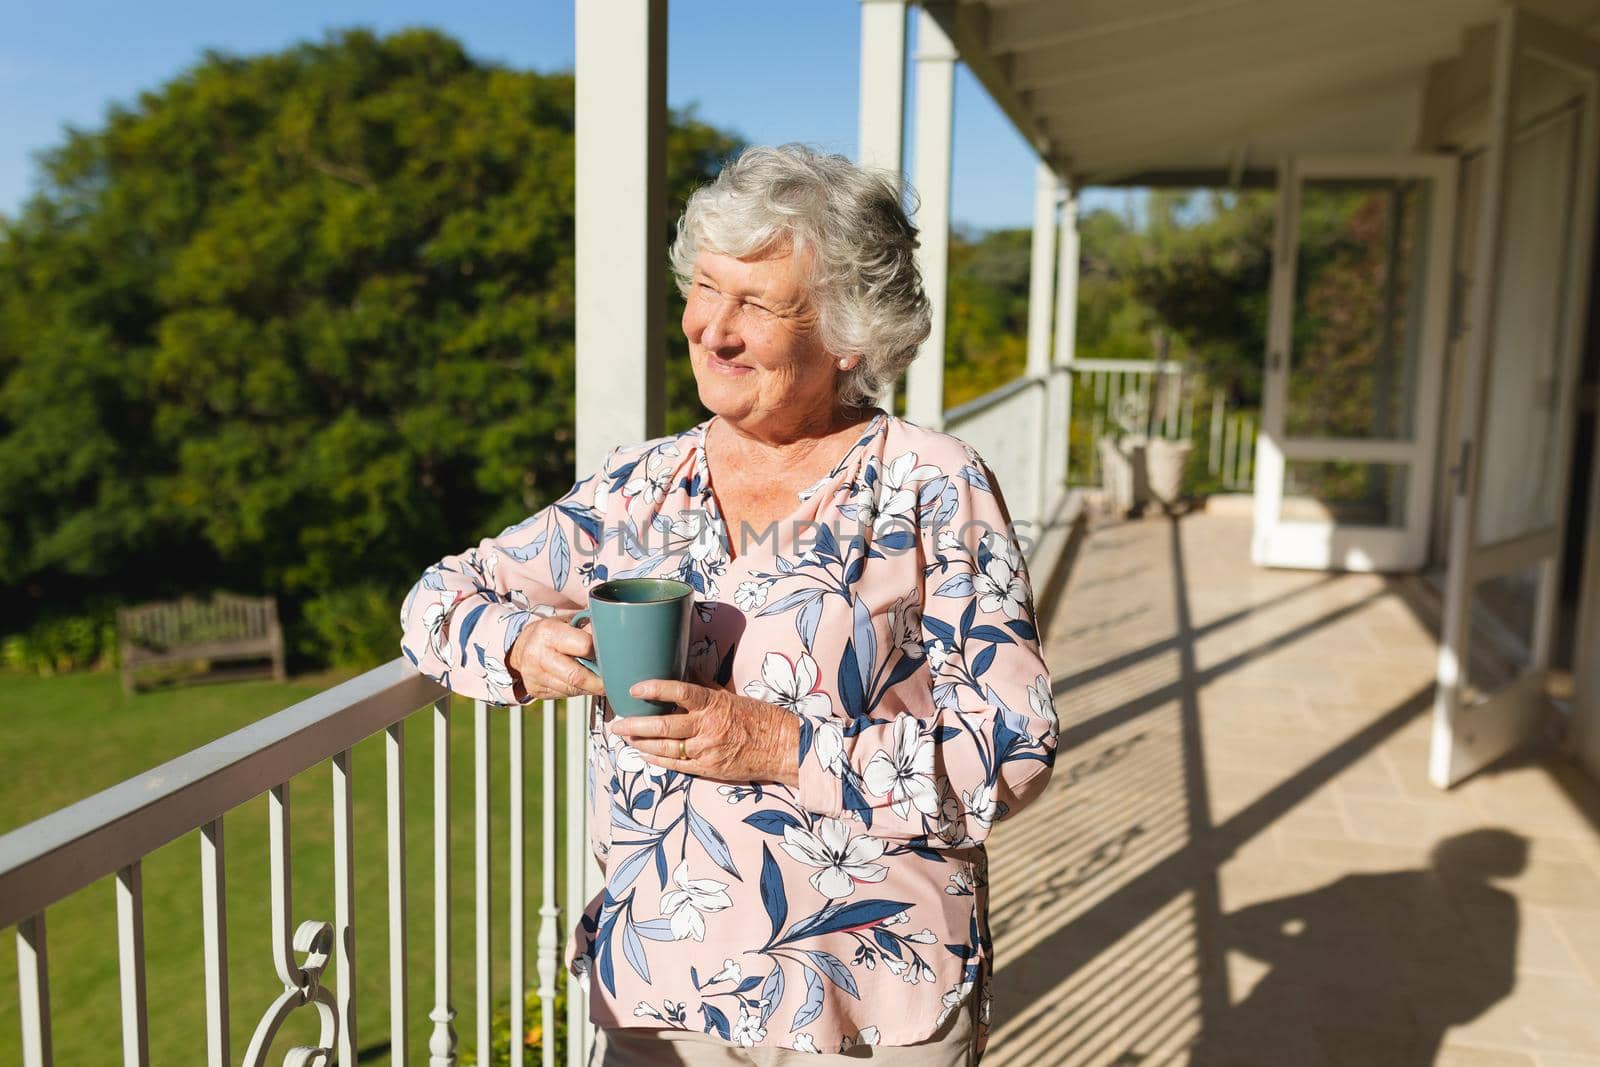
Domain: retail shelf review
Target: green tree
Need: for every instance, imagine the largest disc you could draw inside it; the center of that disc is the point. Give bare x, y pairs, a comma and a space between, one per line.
987, 328
1208, 280
1114, 318
295, 323
986, 331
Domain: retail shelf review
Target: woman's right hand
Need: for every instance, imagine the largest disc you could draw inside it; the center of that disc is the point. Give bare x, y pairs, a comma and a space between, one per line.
542, 656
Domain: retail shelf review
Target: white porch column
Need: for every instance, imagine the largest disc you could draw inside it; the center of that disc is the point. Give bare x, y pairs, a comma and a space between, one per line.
1067, 278
1041, 277
620, 229
1058, 421
621, 128
1041, 296
881, 123
936, 66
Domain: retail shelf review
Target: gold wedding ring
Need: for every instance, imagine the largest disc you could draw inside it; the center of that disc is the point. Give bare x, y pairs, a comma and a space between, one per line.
683, 749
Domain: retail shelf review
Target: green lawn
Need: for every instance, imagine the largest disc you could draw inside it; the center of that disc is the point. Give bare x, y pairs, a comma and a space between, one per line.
65, 738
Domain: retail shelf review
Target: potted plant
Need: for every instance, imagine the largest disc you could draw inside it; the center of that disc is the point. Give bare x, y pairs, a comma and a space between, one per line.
1165, 462
1122, 455
1165, 459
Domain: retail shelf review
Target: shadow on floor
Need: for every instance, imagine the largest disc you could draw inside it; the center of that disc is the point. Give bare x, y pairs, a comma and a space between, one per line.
1370, 969
1122, 943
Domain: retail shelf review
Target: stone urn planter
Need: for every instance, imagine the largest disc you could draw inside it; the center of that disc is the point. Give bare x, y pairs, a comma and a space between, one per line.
1122, 472
1165, 461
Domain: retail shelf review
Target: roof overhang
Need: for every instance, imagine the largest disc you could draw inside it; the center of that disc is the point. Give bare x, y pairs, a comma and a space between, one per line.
1208, 92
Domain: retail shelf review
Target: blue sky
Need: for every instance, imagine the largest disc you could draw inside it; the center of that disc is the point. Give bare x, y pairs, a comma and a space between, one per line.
771, 71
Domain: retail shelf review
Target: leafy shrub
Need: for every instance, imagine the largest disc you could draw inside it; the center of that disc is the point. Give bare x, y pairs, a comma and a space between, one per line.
56, 644
533, 1039
356, 626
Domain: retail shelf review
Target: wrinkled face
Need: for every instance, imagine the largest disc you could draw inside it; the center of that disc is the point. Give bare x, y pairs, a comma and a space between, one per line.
753, 338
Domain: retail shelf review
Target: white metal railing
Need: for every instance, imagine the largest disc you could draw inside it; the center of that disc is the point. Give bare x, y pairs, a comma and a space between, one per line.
1020, 429
1170, 392
1109, 384
113, 831
1233, 446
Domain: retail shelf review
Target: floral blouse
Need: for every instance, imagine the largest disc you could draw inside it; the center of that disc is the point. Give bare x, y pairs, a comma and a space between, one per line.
892, 613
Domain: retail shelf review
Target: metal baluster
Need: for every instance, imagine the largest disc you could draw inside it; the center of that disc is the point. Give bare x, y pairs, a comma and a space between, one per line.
302, 981
1175, 392
1247, 440
577, 712
517, 859
549, 912
1066, 418
130, 958
442, 1043
484, 1000
1157, 391
1214, 461
1096, 424
394, 749
1170, 387
282, 889
214, 919
344, 907
1230, 429
33, 992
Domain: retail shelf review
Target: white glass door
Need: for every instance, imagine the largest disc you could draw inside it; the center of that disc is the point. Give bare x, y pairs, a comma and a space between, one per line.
1524, 325
1356, 336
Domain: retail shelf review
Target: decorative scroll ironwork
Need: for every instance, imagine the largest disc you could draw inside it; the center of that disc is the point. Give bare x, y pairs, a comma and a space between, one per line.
301, 987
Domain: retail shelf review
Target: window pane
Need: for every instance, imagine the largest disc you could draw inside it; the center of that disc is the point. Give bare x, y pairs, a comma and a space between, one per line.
1517, 490
1501, 632
1347, 492
1359, 288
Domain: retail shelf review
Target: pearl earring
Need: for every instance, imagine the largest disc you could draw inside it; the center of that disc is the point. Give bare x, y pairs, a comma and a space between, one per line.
844, 364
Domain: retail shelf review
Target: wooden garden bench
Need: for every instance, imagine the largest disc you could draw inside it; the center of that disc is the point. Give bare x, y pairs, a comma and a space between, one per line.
229, 628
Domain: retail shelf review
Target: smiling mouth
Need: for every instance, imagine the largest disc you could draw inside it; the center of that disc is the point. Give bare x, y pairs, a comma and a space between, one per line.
723, 366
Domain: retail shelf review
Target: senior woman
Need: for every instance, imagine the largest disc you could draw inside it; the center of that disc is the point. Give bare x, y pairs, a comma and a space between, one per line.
794, 860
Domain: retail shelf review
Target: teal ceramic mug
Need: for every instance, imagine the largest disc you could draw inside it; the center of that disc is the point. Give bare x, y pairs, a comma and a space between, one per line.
641, 631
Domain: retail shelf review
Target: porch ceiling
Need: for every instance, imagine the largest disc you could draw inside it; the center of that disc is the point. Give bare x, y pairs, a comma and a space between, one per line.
1132, 90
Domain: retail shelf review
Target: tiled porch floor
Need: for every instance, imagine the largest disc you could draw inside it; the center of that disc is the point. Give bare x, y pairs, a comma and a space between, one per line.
1240, 859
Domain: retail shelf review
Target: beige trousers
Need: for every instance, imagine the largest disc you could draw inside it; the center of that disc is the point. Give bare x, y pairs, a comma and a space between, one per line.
949, 1046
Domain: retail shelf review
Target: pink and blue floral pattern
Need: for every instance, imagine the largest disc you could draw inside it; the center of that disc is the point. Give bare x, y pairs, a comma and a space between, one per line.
892, 614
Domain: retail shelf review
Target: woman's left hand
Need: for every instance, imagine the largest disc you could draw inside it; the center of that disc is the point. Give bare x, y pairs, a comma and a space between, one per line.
718, 734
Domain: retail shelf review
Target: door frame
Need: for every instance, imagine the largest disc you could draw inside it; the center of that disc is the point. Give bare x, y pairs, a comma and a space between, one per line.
1276, 542
1467, 737
1585, 740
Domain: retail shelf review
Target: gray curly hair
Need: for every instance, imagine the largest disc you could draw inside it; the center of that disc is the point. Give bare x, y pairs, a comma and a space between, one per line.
862, 268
